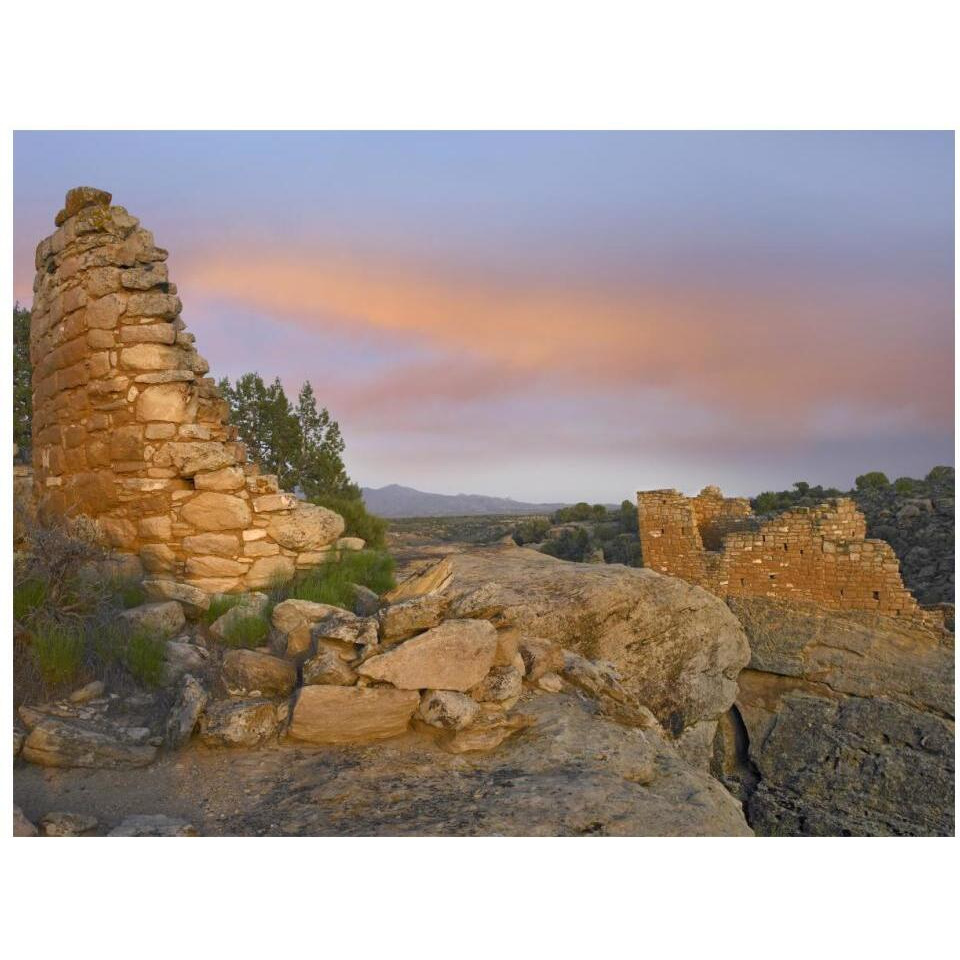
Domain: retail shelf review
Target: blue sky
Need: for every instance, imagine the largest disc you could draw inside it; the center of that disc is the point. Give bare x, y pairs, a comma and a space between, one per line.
559, 316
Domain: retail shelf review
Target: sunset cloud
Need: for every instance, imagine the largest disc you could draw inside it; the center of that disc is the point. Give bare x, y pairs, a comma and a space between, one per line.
559, 316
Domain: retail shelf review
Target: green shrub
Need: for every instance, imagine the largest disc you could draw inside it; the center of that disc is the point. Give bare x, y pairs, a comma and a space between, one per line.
531, 531
874, 480
941, 475
570, 545
108, 644
247, 632
333, 581
359, 523
28, 596
904, 485
128, 592
58, 651
143, 657
220, 603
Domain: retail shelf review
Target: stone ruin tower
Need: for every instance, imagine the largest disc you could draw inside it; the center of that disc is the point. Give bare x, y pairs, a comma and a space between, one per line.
813, 554
127, 428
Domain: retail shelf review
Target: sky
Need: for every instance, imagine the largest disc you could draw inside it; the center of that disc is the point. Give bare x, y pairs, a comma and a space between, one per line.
558, 316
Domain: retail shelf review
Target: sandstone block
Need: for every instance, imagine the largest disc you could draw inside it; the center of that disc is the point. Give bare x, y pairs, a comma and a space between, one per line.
63, 824
79, 198
457, 655
192, 457
153, 825
447, 709
223, 480
163, 619
293, 620
214, 567
260, 548
427, 578
171, 403
250, 673
351, 715
500, 684
149, 333
157, 558
404, 619
272, 502
327, 667
104, 314
216, 511
152, 356
186, 711
155, 528
144, 277
243, 723
217, 544
163, 305
55, 742
269, 571
308, 527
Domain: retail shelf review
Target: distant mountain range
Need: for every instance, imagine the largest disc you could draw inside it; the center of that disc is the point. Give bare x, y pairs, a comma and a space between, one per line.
394, 501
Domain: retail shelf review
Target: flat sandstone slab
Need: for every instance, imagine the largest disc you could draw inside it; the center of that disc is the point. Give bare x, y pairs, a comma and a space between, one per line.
340, 715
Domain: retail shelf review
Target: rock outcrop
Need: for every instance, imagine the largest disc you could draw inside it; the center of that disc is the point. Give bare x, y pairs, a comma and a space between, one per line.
843, 724
128, 429
678, 649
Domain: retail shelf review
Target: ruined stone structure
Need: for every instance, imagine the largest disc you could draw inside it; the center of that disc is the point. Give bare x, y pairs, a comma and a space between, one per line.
817, 554
129, 431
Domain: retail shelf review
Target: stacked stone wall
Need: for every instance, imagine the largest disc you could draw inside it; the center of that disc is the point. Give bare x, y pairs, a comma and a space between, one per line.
816, 554
129, 430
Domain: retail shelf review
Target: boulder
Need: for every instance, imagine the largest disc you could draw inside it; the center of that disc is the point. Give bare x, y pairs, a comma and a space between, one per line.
194, 601
677, 648
351, 543
89, 691
249, 605
447, 709
345, 627
540, 657
327, 667
308, 527
365, 602
185, 712
239, 723
550, 682
162, 619
61, 824
843, 724
499, 685
58, 742
182, 657
153, 825
292, 622
425, 578
350, 715
457, 655
250, 673
22, 827
406, 618
487, 733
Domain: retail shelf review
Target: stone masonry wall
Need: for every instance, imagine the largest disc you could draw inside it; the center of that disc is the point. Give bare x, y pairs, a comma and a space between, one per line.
128, 430
816, 554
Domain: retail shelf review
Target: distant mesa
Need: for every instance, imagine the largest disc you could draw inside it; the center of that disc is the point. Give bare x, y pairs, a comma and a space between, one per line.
395, 501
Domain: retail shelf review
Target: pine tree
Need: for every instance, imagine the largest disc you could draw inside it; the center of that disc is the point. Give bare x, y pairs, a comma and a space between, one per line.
22, 399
